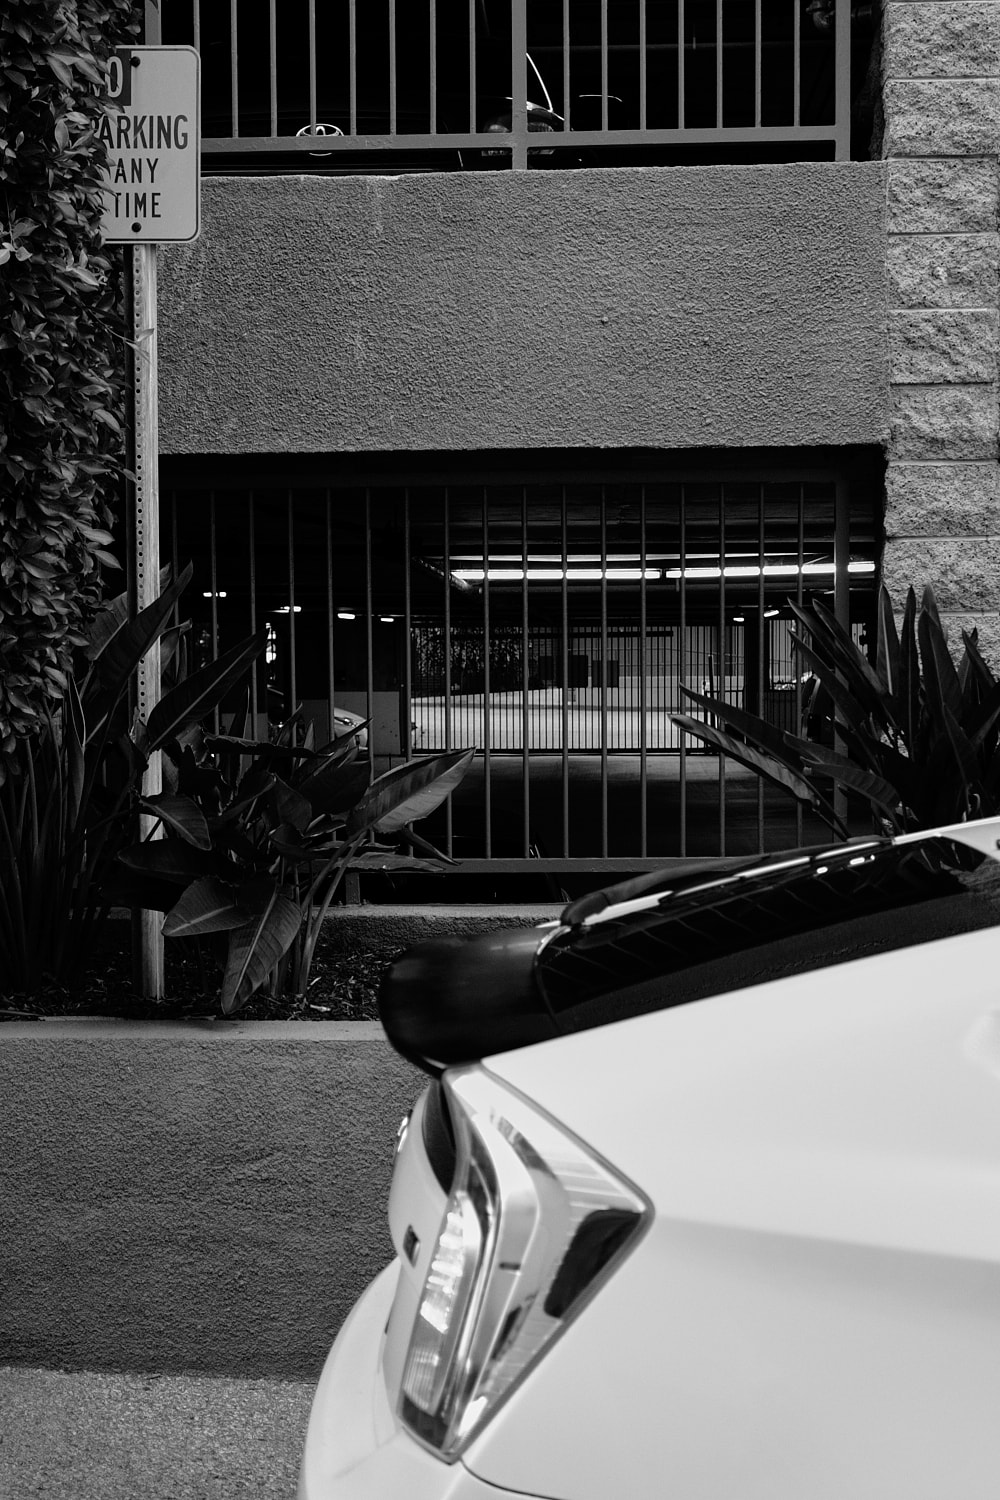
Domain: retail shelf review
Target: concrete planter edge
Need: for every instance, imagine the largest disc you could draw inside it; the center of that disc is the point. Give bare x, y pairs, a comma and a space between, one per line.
201, 1197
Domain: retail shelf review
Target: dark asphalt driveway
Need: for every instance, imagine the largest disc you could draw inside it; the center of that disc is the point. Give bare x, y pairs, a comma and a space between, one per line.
149, 1437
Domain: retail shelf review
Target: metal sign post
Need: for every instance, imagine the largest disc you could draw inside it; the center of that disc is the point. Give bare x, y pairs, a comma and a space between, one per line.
152, 131
144, 559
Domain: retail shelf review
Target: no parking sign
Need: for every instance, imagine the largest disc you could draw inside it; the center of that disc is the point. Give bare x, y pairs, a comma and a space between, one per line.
152, 130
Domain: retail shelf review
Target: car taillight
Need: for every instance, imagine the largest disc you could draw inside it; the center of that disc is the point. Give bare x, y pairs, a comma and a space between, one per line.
534, 1222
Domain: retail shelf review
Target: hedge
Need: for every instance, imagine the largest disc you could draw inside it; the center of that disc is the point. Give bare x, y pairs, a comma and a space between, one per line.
61, 346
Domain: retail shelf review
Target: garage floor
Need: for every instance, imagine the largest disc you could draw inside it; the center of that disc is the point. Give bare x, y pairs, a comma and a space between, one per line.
746, 823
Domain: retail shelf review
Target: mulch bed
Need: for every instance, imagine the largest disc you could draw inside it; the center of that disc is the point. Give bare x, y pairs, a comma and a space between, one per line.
343, 987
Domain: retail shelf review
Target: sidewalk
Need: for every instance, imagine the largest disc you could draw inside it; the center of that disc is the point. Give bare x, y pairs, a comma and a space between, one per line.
149, 1437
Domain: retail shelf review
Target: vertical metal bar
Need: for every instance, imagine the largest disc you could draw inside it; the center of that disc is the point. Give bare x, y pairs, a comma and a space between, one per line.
842, 98
797, 60
175, 552
761, 625
518, 85
680, 65
213, 575
566, 47
604, 65
841, 601
566, 689
312, 62
487, 727
433, 63
213, 583
643, 789
758, 46
718, 63
841, 554
721, 689
196, 19
642, 64
352, 46
447, 657
234, 69
604, 674
472, 72
392, 69
682, 667
272, 63
525, 705
292, 679
408, 622
369, 630
331, 659
801, 518
252, 545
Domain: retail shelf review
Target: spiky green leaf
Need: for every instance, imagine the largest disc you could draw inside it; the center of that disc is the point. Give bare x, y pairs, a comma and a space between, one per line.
855, 712
182, 815
336, 786
119, 654
887, 662
909, 710
257, 947
169, 859
756, 729
286, 805
765, 765
940, 676
397, 864
208, 905
196, 697
409, 792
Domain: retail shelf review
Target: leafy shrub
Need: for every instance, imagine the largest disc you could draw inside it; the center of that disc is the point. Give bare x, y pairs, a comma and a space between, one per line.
260, 833
914, 734
71, 801
61, 350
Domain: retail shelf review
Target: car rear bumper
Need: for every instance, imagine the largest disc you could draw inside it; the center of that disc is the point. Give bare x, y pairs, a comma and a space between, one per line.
354, 1448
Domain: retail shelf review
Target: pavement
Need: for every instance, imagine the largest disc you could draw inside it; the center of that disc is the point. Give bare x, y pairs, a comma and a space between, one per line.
149, 1437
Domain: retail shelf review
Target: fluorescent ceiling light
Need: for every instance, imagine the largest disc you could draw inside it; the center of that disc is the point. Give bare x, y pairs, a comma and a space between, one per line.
555, 575
614, 574
219, 594
770, 570
345, 614
288, 609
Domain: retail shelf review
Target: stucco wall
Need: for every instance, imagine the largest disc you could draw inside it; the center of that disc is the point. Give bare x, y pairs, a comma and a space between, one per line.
183, 1198
662, 308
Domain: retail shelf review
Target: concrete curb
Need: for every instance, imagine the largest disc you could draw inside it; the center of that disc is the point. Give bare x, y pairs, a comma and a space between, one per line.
385, 928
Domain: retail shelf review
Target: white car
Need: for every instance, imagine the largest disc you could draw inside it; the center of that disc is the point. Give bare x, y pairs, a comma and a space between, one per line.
703, 1201
345, 722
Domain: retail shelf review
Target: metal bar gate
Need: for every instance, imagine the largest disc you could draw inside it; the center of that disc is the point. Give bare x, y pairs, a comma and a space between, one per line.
553, 626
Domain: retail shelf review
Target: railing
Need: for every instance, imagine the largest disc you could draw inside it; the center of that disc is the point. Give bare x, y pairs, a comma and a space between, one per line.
476, 84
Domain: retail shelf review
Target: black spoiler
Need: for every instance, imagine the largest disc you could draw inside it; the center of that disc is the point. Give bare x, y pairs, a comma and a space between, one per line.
675, 936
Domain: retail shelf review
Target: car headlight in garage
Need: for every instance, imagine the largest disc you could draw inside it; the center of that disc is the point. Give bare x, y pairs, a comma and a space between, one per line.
534, 1222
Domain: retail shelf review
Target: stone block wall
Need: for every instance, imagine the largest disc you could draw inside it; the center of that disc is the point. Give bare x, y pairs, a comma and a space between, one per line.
941, 96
